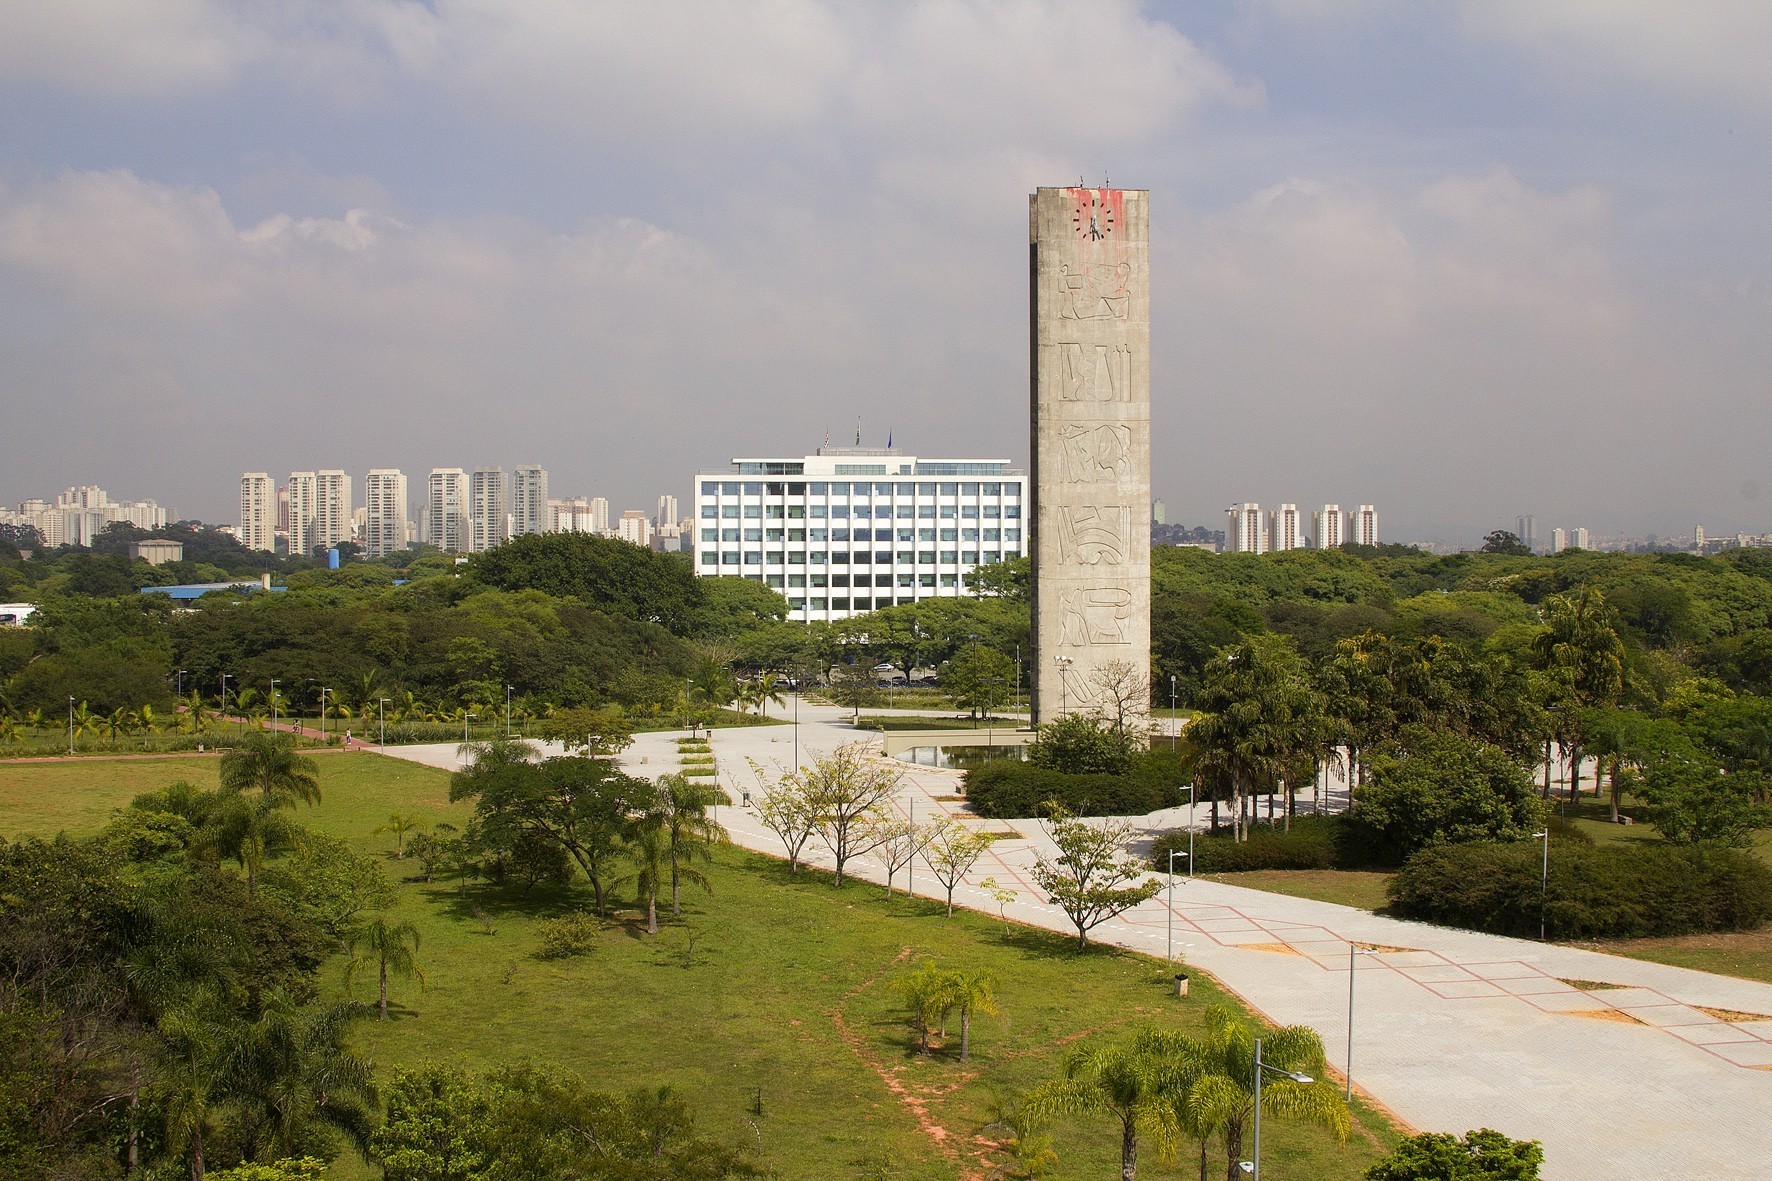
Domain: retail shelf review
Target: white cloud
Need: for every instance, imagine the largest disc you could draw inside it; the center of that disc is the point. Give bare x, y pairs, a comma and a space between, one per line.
1714, 49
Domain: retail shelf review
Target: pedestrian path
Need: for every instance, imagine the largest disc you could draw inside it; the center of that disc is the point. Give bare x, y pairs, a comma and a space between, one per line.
1626, 1070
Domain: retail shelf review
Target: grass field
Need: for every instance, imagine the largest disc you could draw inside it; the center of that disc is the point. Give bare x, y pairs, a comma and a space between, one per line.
773, 991
1348, 887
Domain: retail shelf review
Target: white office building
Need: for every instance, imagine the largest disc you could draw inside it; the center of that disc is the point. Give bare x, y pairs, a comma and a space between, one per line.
854, 529
1559, 540
1286, 528
446, 510
666, 517
488, 509
1326, 527
332, 508
384, 512
634, 528
1579, 539
529, 500
1245, 529
258, 511
1362, 525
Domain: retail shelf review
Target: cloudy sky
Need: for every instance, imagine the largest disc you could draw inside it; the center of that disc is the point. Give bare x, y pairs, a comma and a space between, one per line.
1460, 260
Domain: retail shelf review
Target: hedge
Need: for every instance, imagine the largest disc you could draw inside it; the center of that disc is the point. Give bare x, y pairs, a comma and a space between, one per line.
1007, 788
1625, 889
1314, 842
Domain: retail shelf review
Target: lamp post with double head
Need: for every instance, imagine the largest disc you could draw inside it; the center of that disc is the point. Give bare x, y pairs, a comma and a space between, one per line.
507, 711
1260, 1069
1173, 854
1353, 949
1064, 705
274, 683
1174, 729
1543, 879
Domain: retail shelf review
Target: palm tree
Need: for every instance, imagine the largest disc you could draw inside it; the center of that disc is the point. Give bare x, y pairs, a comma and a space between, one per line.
270, 764
972, 992
393, 947
649, 844
296, 1068
765, 689
683, 804
193, 1085
1580, 642
400, 823
83, 721
1257, 710
1222, 1095
930, 992
247, 830
1125, 1080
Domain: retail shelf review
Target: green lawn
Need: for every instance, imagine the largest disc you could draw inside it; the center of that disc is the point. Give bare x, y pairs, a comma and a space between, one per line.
1349, 887
784, 1000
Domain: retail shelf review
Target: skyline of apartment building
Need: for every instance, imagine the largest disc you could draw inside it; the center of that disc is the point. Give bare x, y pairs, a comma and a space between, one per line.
385, 523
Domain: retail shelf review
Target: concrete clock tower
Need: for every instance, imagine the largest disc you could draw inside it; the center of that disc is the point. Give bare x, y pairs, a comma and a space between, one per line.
1089, 253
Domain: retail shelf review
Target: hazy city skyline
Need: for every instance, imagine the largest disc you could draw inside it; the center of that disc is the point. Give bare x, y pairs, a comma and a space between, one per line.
1476, 259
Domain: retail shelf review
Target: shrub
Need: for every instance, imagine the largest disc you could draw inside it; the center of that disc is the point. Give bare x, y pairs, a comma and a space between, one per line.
1004, 788
695, 760
1313, 843
1477, 1156
1444, 789
701, 772
1594, 890
563, 938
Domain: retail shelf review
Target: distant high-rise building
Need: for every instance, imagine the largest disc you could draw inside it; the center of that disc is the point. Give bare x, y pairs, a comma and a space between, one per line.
283, 511
303, 495
488, 509
1159, 513
1245, 531
1698, 537
1523, 530
1559, 540
635, 528
1579, 539
1326, 527
599, 515
384, 511
1285, 528
529, 500
1362, 525
667, 512
446, 510
258, 508
332, 509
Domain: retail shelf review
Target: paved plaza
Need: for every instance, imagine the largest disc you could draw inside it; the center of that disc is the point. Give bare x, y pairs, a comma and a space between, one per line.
1666, 1074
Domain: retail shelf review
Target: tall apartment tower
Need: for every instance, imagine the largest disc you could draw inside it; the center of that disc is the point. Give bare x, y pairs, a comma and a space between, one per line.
1089, 274
332, 508
384, 511
1326, 527
446, 509
635, 528
303, 496
488, 509
1362, 525
1523, 530
667, 512
599, 515
1245, 529
258, 511
529, 500
1286, 528
1559, 540
1579, 540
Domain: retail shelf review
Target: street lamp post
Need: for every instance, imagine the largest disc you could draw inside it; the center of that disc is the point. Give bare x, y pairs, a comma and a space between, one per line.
381, 715
1018, 680
1543, 880
1353, 949
466, 720
180, 674
1190, 832
274, 705
1261, 1066
1064, 705
323, 692
224, 695
1174, 729
797, 728
1173, 854
70, 725
507, 711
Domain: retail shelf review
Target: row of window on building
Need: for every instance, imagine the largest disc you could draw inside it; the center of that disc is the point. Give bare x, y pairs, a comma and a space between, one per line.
80, 514
1248, 530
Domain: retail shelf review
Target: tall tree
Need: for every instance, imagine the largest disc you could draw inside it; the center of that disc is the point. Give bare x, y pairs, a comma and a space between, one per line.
1224, 1092
683, 805
1091, 879
1124, 1080
392, 948
847, 792
269, 765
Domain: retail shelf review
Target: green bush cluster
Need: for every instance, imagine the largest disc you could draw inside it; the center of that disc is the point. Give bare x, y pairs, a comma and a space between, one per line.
571, 935
1005, 788
1625, 889
1313, 842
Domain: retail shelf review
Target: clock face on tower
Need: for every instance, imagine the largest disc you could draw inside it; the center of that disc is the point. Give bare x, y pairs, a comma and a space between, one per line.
1093, 218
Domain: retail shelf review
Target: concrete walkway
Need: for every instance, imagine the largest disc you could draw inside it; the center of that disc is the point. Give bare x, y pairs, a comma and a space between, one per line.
1667, 1074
